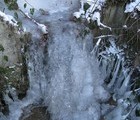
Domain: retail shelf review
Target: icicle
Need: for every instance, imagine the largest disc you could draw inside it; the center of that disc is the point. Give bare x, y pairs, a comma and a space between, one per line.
119, 81
125, 83
2, 117
124, 117
96, 46
115, 74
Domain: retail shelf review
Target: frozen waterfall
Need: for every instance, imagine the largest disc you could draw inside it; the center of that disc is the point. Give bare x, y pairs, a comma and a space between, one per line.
66, 78
64, 73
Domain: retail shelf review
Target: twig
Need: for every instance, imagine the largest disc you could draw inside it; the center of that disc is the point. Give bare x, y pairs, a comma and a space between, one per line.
130, 14
41, 26
103, 36
30, 5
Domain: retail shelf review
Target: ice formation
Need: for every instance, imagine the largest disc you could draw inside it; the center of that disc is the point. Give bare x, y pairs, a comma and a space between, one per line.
130, 7
92, 13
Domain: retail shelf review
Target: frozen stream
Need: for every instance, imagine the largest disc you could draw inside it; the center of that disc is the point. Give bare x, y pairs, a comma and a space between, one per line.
64, 75
70, 81
75, 81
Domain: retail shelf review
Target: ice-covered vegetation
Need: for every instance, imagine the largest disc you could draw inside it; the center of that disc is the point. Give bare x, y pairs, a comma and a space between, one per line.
118, 79
132, 6
90, 10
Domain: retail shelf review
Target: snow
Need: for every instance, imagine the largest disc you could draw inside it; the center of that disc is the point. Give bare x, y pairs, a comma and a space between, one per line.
97, 2
132, 6
8, 18
52, 6
125, 26
96, 17
94, 4
92, 13
43, 28
77, 14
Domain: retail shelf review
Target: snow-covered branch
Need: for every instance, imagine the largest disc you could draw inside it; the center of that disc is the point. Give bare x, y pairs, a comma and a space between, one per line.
42, 27
130, 7
92, 13
8, 18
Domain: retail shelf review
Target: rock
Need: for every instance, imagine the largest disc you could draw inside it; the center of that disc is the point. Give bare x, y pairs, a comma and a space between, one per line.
3, 105
37, 113
13, 68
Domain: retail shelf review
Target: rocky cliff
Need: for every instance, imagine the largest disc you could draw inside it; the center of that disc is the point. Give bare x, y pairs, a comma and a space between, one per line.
13, 69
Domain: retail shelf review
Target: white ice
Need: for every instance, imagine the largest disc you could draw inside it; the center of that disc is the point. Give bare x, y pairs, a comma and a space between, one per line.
132, 5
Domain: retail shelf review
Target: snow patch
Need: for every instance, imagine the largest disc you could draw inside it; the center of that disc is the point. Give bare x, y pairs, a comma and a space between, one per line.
8, 18
92, 13
43, 28
132, 6
51, 6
